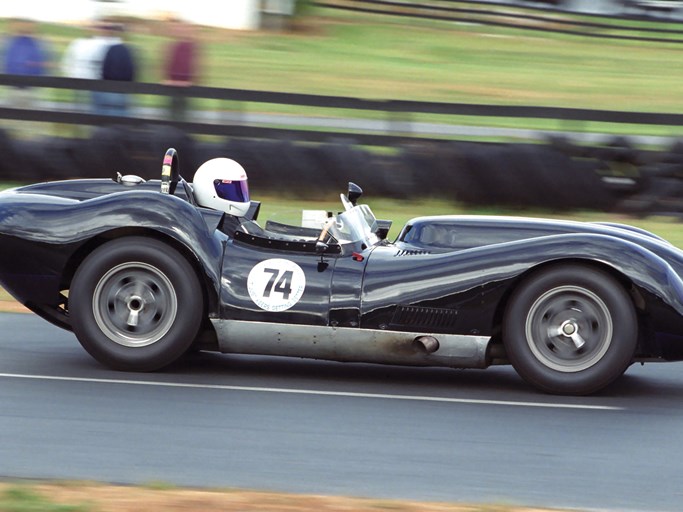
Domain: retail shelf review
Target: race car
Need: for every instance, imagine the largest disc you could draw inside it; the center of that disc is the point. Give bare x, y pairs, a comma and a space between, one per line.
144, 271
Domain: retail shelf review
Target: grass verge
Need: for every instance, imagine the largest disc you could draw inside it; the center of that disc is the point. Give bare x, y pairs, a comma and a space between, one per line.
376, 56
88, 497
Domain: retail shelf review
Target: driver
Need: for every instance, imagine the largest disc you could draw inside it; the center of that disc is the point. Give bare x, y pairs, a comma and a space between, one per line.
221, 184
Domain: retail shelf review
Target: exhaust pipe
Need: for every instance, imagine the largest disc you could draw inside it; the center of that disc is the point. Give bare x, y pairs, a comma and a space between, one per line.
351, 344
428, 344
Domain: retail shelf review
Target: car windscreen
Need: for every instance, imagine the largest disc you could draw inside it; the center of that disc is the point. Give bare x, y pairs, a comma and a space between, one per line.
357, 224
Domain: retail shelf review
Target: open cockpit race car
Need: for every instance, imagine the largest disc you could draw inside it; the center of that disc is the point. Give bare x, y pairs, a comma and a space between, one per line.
143, 271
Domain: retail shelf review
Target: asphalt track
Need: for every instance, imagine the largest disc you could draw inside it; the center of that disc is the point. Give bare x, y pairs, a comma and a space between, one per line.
328, 428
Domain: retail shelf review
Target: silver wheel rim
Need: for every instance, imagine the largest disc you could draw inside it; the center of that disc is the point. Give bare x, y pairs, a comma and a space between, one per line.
569, 329
134, 304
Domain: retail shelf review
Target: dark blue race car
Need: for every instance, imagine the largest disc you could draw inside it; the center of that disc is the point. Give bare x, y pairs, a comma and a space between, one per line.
142, 272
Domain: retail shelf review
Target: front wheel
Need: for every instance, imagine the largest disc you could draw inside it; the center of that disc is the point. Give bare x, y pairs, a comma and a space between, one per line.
135, 304
570, 330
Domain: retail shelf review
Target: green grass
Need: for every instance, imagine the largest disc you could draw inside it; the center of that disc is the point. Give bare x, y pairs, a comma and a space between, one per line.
24, 499
384, 58
376, 56
4, 185
454, 64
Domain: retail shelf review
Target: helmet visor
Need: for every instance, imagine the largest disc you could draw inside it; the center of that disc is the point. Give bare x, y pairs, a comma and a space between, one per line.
231, 190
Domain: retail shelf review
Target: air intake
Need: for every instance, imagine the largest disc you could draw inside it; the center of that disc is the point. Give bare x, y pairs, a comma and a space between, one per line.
433, 319
410, 252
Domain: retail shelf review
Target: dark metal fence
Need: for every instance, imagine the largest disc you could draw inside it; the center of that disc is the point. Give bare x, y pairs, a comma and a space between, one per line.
395, 111
493, 15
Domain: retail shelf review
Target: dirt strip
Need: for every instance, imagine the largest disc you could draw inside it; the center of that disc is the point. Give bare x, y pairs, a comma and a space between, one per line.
108, 498
10, 306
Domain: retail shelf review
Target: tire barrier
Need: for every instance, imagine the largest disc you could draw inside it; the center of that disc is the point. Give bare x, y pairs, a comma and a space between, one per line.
10, 167
637, 182
558, 175
659, 186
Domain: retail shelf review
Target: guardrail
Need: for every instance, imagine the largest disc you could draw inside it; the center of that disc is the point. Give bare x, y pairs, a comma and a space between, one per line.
632, 9
397, 112
500, 18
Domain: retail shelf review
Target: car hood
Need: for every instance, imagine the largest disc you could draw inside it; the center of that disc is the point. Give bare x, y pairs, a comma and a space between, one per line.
468, 231
81, 190
460, 232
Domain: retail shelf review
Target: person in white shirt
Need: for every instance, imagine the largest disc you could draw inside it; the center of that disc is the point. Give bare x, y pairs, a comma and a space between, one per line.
84, 56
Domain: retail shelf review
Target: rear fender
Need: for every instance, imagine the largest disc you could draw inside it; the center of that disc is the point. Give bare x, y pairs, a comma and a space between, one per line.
48, 235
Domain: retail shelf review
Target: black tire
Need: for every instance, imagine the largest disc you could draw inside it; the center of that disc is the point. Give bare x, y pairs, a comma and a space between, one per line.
570, 329
125, 304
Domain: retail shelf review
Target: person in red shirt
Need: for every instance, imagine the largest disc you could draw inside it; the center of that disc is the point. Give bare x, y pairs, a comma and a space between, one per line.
181, 67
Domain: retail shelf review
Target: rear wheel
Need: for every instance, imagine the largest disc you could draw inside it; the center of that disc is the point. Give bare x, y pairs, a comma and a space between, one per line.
125, 304
570, 330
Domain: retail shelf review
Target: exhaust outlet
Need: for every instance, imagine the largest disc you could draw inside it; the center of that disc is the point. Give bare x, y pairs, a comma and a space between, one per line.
349, 344
428, 344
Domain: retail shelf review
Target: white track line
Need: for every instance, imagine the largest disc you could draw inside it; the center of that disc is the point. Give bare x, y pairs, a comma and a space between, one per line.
314, 392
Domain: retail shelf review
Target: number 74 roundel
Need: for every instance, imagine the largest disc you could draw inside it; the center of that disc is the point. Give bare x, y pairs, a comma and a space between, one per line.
276, 284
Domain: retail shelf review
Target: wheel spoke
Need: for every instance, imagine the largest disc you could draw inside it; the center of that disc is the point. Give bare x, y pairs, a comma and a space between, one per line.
147, 298
554, 331
138, 289
579, 342
133, 317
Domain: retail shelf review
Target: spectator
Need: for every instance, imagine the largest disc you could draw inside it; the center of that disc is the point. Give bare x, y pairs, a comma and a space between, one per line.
118, 64
78, 58
181, 68
24, 55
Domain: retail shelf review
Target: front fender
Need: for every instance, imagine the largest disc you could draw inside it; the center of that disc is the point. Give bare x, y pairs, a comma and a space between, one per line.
657, 283
647, 271
476, 281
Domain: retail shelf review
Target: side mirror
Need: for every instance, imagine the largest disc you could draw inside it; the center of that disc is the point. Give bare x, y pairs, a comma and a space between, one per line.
354, 193
383, 227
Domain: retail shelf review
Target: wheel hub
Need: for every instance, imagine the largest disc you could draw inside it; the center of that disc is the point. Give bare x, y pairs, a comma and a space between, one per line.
135, 304
569, 328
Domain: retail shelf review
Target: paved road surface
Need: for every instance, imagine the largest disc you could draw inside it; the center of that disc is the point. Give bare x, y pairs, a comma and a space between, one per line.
363, 430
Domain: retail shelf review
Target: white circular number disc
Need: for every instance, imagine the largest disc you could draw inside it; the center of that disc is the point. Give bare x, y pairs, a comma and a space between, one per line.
276, 284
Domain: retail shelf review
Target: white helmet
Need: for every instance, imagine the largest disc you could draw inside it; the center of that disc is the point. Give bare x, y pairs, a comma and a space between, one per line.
221, 184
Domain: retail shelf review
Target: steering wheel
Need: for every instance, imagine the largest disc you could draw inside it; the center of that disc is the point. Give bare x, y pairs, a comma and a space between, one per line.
170, 173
